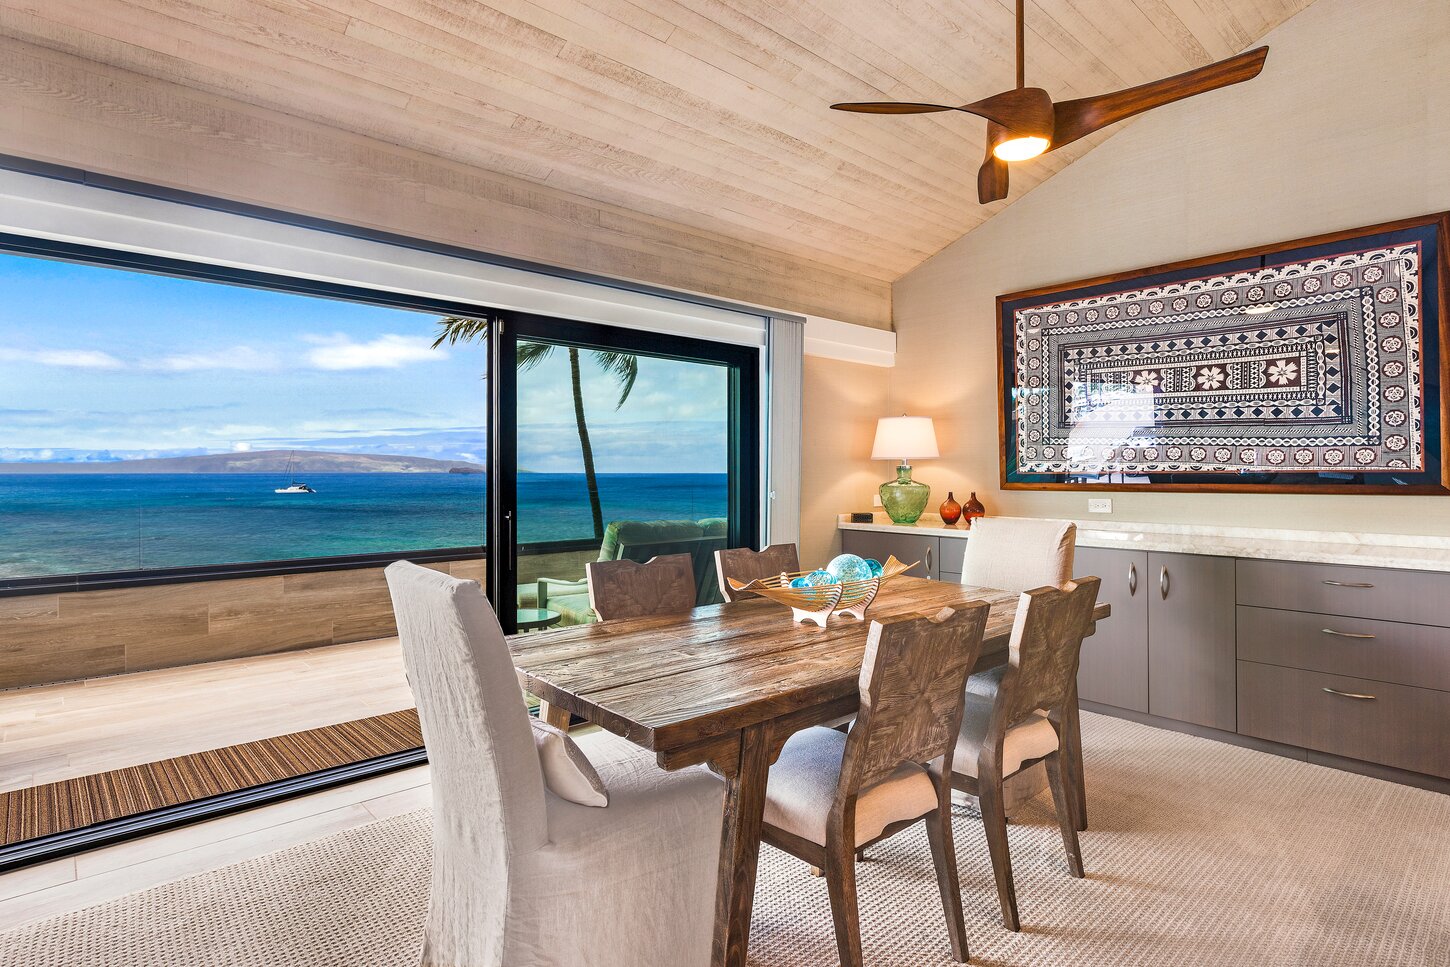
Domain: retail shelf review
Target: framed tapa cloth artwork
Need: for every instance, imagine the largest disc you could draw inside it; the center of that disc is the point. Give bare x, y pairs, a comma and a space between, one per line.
1312, 366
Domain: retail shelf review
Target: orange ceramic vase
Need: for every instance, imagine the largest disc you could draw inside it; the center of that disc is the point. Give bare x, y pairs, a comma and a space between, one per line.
950, 510
973, 509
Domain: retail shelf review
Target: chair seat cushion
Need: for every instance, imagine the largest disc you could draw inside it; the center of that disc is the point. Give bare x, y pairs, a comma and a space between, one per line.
803, 786
1032, 738
651, 811
567, 771
987, 682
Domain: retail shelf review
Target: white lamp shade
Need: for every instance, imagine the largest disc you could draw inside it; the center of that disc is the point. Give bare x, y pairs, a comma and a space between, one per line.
904, 438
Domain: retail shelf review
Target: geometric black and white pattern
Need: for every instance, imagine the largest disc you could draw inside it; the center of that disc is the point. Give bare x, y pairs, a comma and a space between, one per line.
1308, 366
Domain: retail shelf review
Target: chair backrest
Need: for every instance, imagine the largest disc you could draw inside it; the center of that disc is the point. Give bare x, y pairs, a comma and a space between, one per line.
1019, 553
745, 565
1046, 643
488, 788
625, 589
913, 683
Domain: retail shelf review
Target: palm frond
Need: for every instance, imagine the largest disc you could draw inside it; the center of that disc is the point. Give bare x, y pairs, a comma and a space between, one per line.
457, 329
624, 367
530, 354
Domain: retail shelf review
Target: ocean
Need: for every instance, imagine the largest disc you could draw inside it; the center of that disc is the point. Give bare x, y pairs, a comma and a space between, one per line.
78, 523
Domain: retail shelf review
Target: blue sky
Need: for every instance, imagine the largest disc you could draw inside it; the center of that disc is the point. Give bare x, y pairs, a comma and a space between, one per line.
97, 361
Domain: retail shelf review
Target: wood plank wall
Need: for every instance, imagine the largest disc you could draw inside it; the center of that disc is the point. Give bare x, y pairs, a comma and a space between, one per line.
63, 109
84, 634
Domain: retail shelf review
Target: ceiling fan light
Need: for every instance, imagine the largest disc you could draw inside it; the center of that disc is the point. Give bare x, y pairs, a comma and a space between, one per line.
1020, 149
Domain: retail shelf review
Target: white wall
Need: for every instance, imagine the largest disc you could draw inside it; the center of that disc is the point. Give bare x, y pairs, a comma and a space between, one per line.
1348, 125
840, 406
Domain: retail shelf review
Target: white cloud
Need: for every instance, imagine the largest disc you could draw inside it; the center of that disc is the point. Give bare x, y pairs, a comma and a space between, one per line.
241, 447
237, 357
69, 358
388, 351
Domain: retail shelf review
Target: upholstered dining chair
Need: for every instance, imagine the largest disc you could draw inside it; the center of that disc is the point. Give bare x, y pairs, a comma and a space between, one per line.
746, 565
624, 589
829, 793
1019, 554
1021, 723
522, 876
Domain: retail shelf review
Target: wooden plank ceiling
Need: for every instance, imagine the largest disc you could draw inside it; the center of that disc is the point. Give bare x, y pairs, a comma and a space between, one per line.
706, 113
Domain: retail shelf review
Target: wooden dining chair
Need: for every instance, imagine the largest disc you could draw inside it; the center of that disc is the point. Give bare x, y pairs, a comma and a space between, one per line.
1021, 722
1019, 554
829, 793
625, 589
746, 565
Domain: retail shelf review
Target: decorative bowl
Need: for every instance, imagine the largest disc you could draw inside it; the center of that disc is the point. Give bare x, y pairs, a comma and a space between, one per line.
819, 602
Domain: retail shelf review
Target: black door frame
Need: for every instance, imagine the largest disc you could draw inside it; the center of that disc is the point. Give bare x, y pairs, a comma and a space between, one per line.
507, 329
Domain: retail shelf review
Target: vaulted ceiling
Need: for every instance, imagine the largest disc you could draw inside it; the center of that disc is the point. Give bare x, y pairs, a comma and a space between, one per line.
708, 113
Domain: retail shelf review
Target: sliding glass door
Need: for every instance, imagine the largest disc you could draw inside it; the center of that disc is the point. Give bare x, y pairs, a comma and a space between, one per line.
614, 444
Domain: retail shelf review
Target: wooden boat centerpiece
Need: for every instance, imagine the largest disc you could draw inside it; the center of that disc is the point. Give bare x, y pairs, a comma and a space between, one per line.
818, 602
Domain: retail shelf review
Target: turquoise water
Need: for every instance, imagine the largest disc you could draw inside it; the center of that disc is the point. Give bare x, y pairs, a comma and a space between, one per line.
78, 523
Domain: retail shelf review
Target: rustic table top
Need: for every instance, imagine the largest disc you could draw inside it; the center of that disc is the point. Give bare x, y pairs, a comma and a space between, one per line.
670, 682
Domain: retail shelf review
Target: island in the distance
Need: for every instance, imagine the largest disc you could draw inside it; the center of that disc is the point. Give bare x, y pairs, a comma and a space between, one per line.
296, 462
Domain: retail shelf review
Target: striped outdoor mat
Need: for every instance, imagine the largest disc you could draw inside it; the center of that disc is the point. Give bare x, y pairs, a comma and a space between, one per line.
57, 807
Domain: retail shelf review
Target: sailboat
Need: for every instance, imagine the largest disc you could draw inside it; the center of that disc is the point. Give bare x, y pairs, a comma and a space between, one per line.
294, 486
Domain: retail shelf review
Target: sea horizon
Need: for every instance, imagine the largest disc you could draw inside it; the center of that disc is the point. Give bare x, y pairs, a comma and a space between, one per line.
70, 523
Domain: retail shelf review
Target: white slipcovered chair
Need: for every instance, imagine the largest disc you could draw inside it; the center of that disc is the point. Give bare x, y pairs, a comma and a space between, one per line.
521, 877
1020, 554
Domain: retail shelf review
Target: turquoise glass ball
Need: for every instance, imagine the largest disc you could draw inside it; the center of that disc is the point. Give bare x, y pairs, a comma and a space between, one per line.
849, 567
876, 569
800, 582
817, 578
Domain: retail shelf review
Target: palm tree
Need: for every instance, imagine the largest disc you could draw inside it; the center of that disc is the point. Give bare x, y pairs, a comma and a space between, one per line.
624, 367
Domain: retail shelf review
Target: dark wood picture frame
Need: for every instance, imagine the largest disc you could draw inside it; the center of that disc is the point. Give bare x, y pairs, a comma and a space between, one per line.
1435, 361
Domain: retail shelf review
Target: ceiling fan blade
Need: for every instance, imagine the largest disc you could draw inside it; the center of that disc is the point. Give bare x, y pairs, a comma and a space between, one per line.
992, 176
1026, 110
1081, 117
890, 107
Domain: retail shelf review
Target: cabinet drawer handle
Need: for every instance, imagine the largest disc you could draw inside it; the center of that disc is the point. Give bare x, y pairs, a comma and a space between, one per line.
1348, 584
1163, 582
928, 562
1358, 695
1345, 634
1132, 579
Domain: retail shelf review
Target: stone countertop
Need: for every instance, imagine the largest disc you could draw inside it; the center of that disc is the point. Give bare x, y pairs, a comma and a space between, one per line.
1407, 551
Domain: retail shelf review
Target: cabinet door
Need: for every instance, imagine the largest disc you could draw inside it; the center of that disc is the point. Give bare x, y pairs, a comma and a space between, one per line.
1191, 639
909, 548
1114, 666
951, 552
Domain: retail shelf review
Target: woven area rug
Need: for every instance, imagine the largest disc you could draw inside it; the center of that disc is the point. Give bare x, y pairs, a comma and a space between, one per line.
1199, 854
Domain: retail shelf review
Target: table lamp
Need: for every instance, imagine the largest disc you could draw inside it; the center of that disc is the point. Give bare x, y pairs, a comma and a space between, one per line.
904, 438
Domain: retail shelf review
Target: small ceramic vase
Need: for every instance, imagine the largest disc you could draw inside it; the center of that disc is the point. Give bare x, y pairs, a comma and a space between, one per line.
973, 509
950, 510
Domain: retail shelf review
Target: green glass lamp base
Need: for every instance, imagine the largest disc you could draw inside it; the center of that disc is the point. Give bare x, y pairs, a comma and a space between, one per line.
904, 498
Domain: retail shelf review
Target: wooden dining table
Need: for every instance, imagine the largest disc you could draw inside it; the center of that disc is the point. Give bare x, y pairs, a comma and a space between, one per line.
726, 685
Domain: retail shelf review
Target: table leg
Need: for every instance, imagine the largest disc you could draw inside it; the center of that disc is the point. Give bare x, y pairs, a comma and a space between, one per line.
740, 847
554, 715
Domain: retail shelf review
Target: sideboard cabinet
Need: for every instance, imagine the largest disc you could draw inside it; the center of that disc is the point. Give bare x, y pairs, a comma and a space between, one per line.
1339, 664
934, 557
1172, 652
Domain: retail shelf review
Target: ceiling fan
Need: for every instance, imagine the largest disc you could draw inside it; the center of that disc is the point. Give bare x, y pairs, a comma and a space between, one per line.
1025, 122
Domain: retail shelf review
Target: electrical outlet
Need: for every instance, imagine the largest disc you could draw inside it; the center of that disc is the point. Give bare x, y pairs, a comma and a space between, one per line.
875, 500
1100, 505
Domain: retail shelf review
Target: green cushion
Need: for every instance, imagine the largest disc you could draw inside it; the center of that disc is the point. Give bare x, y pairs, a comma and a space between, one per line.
635, 532
715, 526
640, 540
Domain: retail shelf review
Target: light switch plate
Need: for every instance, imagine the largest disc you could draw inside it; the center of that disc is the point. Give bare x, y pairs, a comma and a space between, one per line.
875, 500
1100, 505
